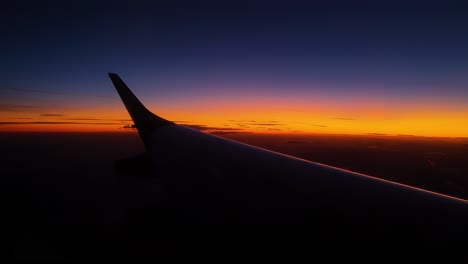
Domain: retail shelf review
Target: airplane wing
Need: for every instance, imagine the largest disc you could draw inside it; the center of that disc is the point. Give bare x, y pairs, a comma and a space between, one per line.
210, 179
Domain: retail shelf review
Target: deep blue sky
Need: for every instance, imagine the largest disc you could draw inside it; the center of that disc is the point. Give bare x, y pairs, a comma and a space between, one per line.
393, 49
387, 42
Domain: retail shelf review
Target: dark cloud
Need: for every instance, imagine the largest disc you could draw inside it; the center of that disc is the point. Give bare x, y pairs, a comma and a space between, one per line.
19, 118
318, 125
85, 119
129, 127
206, 128
405, 135
377, 134
51, 115
266, 124
252, 123
271, 125
244, 121
16, 107
243, 125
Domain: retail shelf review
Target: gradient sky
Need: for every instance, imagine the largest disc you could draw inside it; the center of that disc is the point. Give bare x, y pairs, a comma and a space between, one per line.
347, 67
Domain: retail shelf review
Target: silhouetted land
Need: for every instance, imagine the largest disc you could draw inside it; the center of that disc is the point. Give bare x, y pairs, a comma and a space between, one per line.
436, 164
54, 181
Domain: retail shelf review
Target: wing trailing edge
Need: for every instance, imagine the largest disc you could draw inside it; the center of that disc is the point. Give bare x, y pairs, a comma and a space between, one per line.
145, 121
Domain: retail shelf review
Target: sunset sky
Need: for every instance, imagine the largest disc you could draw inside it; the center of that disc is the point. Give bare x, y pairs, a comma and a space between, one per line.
336, 67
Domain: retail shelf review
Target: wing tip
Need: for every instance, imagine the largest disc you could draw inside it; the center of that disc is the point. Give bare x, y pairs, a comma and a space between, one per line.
114, 76
145, 121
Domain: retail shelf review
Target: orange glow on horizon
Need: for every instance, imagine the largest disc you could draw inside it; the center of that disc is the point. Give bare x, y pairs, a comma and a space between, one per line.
262, 116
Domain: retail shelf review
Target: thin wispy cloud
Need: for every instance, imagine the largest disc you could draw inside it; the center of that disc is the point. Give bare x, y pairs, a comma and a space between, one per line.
343, 118
51, 115
84, 119
271, 125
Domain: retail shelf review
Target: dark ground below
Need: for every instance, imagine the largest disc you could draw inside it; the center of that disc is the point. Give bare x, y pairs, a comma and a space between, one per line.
63, 199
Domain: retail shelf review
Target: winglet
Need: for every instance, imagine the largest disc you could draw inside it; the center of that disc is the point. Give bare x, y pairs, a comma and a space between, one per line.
145, 121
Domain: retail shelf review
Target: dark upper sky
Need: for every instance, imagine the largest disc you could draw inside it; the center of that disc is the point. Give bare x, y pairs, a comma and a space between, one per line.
391, 49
